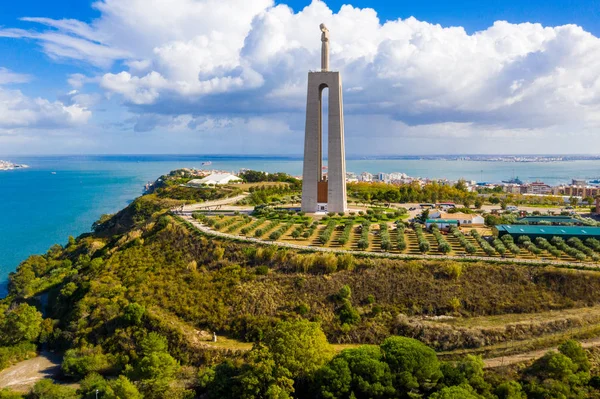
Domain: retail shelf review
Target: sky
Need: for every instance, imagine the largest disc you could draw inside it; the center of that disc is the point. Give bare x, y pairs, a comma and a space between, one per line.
229, 76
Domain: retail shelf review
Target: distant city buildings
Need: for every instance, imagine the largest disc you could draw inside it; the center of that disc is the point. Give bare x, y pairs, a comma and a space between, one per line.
6, 165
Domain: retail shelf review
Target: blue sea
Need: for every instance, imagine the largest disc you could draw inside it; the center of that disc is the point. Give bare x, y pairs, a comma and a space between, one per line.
40, 208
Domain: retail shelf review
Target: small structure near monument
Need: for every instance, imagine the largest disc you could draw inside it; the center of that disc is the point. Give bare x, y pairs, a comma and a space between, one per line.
215, 179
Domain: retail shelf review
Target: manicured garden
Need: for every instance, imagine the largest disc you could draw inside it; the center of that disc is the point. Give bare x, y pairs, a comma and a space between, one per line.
386, 231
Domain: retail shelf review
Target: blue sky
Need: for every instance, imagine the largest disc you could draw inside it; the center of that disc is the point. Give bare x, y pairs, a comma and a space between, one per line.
223, 76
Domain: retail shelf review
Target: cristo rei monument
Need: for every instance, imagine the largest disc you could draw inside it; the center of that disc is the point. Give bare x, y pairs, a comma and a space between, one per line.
320, 193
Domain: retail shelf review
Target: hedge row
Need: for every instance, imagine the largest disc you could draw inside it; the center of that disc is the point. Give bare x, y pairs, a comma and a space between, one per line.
363, 242
423, 243
464, 242
346, 233
443, 245
487, 248
400, 239
325, 235
384, 235
276, 235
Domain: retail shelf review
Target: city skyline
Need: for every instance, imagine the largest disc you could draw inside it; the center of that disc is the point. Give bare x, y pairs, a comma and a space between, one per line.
115, 77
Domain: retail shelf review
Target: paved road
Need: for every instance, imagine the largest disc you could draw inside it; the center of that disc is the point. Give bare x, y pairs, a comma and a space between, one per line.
208, 231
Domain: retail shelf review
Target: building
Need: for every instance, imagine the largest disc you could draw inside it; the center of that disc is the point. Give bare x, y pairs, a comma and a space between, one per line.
462, 219
536, 187
366, 176
552, 220
216, 179
578, 182
531, 231
577, 191
320, 193
441, 224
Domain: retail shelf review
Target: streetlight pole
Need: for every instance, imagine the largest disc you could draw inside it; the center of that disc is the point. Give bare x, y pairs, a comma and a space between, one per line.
96, 394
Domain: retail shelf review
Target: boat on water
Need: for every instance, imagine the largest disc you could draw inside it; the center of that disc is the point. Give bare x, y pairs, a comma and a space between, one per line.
207, 163
514, 180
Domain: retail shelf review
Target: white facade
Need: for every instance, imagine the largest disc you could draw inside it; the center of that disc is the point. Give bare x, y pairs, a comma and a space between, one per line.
463, 219
216, 179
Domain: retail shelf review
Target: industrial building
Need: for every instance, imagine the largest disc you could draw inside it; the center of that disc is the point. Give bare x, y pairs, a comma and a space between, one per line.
553, 220
547, 232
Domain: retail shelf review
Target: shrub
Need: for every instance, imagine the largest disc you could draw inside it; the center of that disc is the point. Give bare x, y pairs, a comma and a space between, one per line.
443, 245
363, 242
422, 241
384, 235
499, 246
83, 361
400, 239
262, 270
343, 239
345, 262
325, 235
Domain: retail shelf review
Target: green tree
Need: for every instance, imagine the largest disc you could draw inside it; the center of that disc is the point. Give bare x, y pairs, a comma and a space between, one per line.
356, 373
478, 202
134, 313
158, 366
83, 361
299, 346
21, 324
510, 390
574, 351
456, 392
7, 394
261, 377
152, 343
122, 388
415, 366
91, 383
46, 389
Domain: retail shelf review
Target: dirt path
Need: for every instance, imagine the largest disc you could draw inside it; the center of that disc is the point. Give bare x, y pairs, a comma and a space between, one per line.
216, 203
22, 376
522, 357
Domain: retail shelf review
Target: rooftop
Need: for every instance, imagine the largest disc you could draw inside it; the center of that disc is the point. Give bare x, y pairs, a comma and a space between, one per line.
575, 231
551, 219
441, 221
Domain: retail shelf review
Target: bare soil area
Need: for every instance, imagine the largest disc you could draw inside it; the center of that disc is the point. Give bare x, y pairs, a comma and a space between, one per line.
22, 376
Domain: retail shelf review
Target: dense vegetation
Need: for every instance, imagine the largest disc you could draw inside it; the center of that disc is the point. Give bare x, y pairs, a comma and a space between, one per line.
133, 306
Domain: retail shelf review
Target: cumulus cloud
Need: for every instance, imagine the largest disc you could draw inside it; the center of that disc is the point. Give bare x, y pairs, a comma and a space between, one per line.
20, 111
214, 60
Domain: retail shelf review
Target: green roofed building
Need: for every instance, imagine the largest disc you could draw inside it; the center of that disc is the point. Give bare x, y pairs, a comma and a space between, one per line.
533, 231
554, 220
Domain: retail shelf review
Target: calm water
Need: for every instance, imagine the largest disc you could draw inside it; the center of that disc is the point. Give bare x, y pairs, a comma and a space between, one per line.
40, 208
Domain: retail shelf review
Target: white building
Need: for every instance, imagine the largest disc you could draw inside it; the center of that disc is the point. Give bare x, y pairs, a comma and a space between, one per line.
215, 179
463, 219
366, 176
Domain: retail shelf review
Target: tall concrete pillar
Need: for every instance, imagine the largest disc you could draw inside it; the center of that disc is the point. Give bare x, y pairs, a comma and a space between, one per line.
312, 175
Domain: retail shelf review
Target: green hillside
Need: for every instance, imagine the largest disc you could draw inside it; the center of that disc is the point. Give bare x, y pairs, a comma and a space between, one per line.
134, 305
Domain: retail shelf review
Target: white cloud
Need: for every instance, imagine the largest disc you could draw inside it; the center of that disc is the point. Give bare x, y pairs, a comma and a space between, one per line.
217, 60
20, 111
8, 77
